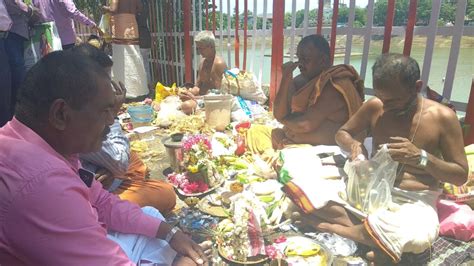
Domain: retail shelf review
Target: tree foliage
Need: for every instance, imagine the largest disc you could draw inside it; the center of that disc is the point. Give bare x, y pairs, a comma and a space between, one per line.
91, 7
423, 14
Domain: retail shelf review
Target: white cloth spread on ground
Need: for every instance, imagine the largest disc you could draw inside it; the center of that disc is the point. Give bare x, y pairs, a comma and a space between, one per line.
311, 185
128, 68
142, 248
410, 224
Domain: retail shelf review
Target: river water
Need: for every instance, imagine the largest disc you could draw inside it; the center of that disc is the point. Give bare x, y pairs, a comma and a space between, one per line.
462, 79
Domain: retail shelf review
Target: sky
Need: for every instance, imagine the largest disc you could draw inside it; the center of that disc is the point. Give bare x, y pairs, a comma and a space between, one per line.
300, 4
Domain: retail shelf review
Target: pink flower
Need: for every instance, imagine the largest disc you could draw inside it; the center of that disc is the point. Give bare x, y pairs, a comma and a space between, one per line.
192, 187
271, 252
280, 239
203, 187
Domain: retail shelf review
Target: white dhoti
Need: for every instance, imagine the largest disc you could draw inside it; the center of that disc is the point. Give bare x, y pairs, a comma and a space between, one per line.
128, 68
142, 248
410, 224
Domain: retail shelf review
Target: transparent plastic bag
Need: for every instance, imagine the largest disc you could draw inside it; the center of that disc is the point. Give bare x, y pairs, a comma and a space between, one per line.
104, 26
370, 182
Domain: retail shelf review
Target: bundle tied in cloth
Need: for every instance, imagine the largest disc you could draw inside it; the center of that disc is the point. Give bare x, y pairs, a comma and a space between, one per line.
241, 83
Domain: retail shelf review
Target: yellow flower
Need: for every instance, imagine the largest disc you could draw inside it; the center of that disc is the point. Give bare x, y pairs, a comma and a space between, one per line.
193, 168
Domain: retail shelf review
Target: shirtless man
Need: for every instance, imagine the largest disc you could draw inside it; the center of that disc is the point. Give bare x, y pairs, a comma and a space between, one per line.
424, 137
305, 120
212, 67
211, 70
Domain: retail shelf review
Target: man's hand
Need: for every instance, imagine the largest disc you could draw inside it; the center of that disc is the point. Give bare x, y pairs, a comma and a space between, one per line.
184, 246
98, 31
104, 177
280, 139
120, 95
358, 151
404, 151
288, 68
186, 95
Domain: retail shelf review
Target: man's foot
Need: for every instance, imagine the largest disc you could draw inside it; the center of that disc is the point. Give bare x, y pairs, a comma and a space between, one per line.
377, 257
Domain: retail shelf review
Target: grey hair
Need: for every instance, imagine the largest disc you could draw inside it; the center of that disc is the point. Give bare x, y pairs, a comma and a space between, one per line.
206, 37
393, 65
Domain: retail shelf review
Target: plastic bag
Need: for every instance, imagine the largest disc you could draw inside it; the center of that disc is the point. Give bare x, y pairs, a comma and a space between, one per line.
44, 39
104, 26
455, 220
370, 182
244, 84
161, 91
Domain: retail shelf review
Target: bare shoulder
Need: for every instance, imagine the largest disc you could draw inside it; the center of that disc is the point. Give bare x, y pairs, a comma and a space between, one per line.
440, 113
220, 63
372, 105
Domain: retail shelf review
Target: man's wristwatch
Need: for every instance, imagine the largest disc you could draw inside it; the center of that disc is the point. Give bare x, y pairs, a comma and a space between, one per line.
171, 233
423, 159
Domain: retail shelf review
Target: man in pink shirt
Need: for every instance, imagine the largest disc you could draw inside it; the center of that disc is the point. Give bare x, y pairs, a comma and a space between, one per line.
51, 211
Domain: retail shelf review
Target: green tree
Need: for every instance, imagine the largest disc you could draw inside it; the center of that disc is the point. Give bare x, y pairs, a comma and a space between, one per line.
91, 7
470, 9
423, 13
299, 18
343, 16
401, 12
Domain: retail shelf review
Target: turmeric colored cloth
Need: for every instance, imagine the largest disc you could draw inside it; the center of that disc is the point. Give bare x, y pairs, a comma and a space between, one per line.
124, 28
343, 78
258, 139
135, 188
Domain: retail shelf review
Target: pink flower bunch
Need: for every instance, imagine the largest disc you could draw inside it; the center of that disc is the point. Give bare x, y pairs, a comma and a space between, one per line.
201, 140
273, 252
195, 187
178, 180
182, 181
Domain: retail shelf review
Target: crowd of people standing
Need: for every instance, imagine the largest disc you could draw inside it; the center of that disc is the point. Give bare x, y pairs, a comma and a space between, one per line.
18, 22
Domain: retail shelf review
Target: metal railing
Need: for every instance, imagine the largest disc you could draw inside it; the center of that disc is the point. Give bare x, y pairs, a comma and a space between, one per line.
170, 64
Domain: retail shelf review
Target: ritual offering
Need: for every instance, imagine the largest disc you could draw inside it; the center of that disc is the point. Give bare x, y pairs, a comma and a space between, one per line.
200, 175
299, 250
240, 239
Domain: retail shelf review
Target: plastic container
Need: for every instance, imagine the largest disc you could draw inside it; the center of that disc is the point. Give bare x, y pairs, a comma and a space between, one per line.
140, 115
218, 109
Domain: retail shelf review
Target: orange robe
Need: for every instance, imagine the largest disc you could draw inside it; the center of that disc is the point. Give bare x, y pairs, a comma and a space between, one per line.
343, 78
144, 192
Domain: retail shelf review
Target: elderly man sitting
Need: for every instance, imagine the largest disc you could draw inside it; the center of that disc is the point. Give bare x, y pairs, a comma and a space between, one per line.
313, 105
424, 137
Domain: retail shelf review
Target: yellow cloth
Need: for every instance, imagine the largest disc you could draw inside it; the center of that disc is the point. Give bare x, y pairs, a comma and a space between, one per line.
343, 78
258, 139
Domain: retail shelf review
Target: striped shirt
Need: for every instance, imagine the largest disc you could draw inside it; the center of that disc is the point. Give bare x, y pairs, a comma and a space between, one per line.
114, 154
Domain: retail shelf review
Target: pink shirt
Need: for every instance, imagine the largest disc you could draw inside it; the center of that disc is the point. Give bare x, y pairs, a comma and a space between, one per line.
48, 216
